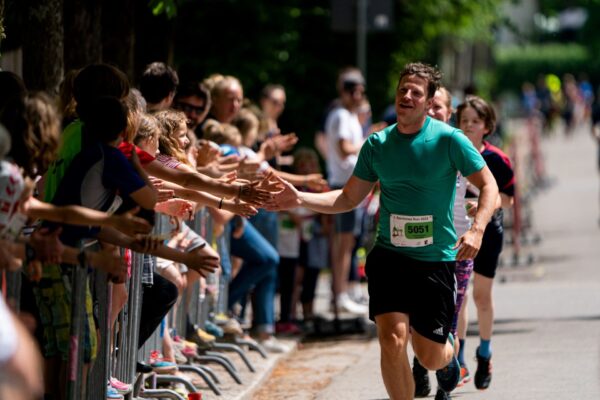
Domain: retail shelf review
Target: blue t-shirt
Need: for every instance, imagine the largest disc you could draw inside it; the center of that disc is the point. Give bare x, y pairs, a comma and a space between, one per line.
94, 178
417, 175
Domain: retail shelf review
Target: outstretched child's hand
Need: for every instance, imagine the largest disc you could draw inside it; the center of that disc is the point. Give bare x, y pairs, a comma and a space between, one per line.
47, 245
207, 153
252, 193
315, 182
113, 264
203, 264
239, 208
285, 199
176, 207
229, 177
129, 224
283, 143
271, 183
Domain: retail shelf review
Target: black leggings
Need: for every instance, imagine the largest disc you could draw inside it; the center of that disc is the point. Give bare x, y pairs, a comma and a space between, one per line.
157, 300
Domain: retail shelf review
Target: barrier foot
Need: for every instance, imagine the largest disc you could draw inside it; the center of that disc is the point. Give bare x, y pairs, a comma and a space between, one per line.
210, 372
237, 349
224, 363
174, 378
204, 375
160, 394
138, 385
223, 357
252, 345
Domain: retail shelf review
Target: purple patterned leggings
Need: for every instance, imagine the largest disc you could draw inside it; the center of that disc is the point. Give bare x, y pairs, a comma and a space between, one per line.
463, 272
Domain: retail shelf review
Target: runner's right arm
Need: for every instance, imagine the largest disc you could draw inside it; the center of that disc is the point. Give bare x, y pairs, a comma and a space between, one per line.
334, 202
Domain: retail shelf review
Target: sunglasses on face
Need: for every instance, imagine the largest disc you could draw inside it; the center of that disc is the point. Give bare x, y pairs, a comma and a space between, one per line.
189, 108
277, 102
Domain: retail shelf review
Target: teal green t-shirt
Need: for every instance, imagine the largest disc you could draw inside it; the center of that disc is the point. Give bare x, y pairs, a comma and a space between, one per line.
70, 146
417, 175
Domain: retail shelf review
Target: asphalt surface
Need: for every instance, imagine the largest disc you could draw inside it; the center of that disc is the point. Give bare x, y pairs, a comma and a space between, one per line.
546, 339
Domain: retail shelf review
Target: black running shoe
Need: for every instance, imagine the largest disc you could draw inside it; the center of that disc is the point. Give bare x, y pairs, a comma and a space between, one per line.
442, 395
449, 376
421, 377
483, 375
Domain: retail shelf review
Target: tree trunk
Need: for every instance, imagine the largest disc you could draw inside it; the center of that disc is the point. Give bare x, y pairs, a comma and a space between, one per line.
1, 21
43, 45
118, 34
154, 39
83, 33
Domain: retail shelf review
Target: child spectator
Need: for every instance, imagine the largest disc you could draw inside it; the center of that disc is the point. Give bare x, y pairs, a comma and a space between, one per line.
158, 86
93, 179
299, 278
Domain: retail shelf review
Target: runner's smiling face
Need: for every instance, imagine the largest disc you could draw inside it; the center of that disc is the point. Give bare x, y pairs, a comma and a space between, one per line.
412, 103
472, 125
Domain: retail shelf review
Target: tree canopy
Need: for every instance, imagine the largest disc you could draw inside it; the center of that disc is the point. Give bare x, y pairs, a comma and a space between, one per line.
263, 41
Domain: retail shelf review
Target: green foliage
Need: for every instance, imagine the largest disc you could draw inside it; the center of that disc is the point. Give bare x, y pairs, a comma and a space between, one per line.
517, 64
168, 7
425, 23
292, 43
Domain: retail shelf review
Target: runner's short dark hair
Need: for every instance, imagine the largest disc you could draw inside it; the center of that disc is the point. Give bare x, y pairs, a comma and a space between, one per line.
431, 74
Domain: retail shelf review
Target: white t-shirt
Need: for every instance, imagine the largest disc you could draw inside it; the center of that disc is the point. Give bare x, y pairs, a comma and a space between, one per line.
462, 223
11, 188
251, 155
288, 244
341, 124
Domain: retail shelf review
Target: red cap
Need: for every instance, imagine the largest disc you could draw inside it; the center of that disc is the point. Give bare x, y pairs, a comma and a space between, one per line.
195, 396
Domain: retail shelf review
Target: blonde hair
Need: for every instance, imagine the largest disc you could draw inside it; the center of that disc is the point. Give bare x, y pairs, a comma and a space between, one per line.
212, 80
219, 83
136, 106
148, 129
170, 121
448, 96
222, 133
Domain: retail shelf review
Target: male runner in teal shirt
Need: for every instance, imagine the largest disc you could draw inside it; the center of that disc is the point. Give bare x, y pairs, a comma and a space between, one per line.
411, 267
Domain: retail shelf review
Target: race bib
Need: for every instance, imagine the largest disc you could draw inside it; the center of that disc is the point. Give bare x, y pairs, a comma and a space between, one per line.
411, 231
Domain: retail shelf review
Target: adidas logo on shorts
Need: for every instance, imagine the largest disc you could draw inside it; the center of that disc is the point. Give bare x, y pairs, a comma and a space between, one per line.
439, 331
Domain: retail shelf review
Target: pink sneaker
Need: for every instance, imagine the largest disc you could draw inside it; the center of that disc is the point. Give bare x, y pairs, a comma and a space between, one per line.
189, 352
120, 387
287, 328
160, 365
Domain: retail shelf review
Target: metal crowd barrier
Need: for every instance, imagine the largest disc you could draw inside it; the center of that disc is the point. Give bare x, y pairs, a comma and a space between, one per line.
100, 371
121, 362
197, 309
528, 163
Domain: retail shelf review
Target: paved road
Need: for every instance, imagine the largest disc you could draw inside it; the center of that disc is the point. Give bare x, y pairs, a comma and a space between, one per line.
546, 343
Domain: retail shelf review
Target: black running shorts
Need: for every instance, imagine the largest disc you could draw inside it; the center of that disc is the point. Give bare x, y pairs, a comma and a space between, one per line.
425, 291
486, 261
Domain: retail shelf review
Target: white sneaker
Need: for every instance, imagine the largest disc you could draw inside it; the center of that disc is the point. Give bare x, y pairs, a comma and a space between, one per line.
272, 345
345, 304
